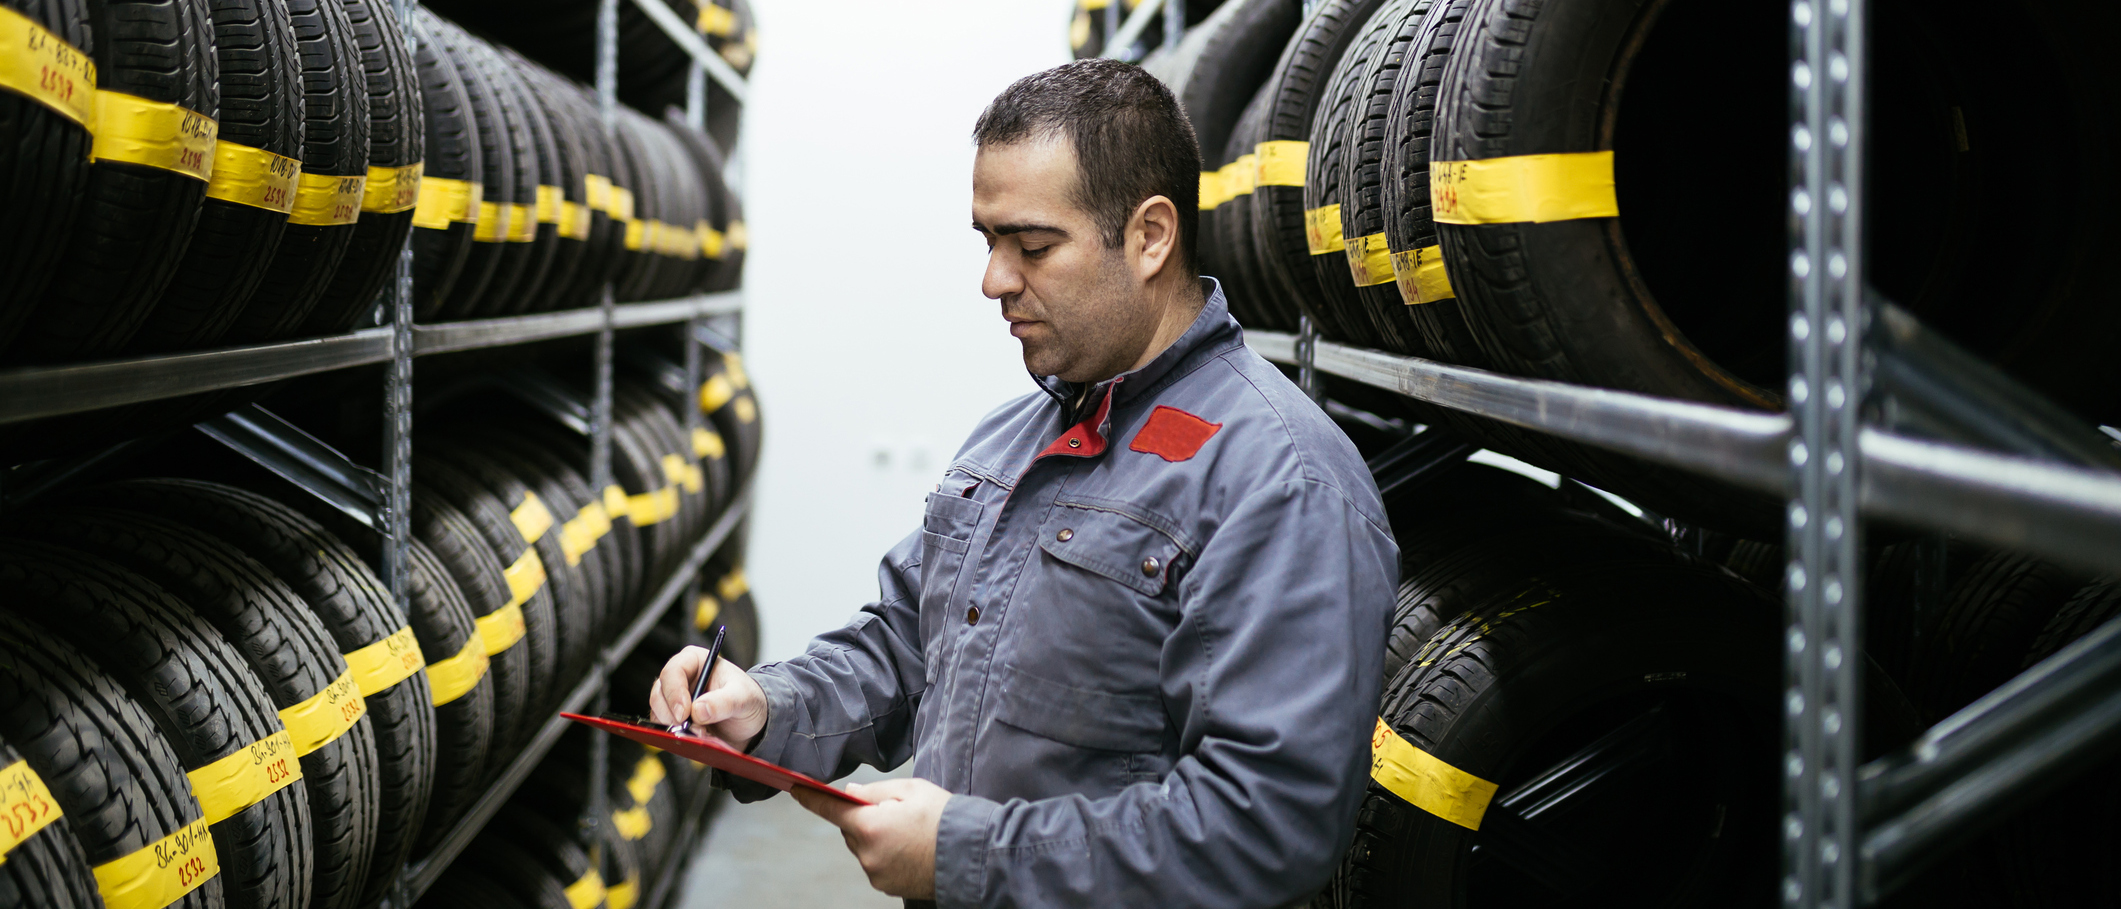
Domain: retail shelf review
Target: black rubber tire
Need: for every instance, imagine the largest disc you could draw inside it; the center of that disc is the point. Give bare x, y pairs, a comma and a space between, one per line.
288, 649
352, 602
579, 613
739, 613
396, 138
116, 780
493, 139
134, 221
705, 160
554, 451
232, 243
481, 578
1333, 170
518, 871
1243, 284
43, 174
463, 888
636, 467
1439, 331
528, 281
480, 489
443, 622
1220, 65
47, 869
570, 165
553, 847
452, 152
1294, 93
594, 265
334, 144
196, 689
1991, 616
1531, 671
512, 259
727, 400
636, 173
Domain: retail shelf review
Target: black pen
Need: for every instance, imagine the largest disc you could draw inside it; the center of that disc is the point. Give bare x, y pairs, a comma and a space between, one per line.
699, 685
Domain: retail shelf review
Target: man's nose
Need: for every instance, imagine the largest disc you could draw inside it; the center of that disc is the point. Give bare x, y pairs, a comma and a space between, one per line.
1002, 277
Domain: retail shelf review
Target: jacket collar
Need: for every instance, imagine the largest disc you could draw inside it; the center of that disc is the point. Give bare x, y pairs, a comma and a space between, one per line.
1212, 334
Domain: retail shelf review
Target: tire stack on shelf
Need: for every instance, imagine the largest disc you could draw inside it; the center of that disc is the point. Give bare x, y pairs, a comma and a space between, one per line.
1593, 192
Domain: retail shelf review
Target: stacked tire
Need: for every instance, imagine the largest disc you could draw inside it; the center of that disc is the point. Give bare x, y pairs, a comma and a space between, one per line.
212, 670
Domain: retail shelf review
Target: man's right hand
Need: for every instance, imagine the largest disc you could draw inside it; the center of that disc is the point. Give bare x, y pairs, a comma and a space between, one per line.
732, 709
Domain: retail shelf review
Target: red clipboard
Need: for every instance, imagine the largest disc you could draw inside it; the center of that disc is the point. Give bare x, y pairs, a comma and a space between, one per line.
717, 755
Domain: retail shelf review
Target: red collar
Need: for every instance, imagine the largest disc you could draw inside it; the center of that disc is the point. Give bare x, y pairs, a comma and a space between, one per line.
1085, 439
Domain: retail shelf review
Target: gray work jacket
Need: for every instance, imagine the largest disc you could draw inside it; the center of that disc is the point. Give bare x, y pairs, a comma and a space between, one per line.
1141, 650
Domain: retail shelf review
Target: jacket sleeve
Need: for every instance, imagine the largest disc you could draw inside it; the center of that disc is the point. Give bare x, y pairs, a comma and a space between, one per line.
1283, 618
850, 698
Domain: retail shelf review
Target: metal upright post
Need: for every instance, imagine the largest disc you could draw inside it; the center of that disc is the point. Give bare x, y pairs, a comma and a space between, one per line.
1112, 23
1174, 21
397, 435
608, 107
696, 96
1306, 356
1826, 390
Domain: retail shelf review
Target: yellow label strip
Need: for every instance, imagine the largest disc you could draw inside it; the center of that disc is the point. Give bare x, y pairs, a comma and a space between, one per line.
1426, 782
652, 507
739, 236
492, 223
444, 202
715, 392
501, 628
623, 895
327, 201
26, 806
746, 410
522, 223
254, 177
596, 191
683, 474
581, 533
632, 823
733, 363
1322, 230
621, 203
531, 517
326, 715
616, 504
526, 575
715, 21
706, 443
705, 612
647, 775
710, 240
1281, 162
587, 891
154, 134
246, 777
733, 585
163, 872
40, 66
392, 189
1369, 260
574, 221
549, 204
386, 662
1524, 188
1421, 275
453, 678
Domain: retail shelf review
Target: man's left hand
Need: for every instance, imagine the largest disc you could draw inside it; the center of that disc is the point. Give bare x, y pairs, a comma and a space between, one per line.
893, 839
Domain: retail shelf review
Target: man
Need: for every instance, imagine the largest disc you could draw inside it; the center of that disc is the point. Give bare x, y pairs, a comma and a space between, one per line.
1134, 648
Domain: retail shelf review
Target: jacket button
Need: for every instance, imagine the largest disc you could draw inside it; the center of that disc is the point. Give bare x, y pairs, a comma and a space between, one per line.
1075, 443
1065, 535
972, 616
1151, 566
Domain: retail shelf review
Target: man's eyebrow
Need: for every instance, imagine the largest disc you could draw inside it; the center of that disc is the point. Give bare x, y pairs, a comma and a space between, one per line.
1003, 230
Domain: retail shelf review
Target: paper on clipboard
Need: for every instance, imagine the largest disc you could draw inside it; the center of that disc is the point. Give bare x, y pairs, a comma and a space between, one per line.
717, 755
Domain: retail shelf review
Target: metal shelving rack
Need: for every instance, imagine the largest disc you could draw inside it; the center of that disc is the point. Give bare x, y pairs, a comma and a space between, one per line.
382, 498
2010, 474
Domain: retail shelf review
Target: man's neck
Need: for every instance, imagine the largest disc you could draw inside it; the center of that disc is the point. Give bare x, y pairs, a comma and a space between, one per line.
1182, 300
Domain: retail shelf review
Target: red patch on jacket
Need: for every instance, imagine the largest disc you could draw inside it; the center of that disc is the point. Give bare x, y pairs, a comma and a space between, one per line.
1173, 434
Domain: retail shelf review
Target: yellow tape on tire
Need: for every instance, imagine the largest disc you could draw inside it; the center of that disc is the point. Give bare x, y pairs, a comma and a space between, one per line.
386, 662
706, 443
25, 805
246, 777
705, 612
492, 226
623, 895
581, 532
1421, 275
392, 189
587, 891
522, 223
647, 775
326, 715
739, 236
1231, 181
162, 873
710, 240
326, 201
1369, 260
1523, 188
716, 21
621, 203
632, 823
1281, 162
1322, 230
531, 517
653, 507
596, 192
154, 134
526, 575
453, 678
1425, 781
254, 177
444, 202
43, 68
549, 204
574, 221
733, 585
501, 628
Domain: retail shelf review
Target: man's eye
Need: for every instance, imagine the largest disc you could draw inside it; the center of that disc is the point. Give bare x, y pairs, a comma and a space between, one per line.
1033, 252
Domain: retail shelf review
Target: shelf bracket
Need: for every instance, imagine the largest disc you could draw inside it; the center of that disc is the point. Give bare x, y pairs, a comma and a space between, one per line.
299, 458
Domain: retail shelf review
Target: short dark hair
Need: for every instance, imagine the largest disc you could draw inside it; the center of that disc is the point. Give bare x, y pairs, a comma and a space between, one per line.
1131, 139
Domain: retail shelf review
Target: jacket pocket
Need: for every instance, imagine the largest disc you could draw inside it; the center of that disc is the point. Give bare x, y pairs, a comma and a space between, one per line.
947, 528
1083, 717
1111, 545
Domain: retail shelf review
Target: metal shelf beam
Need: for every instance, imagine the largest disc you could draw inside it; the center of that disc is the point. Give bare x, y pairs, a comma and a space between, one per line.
688, 38
2066, 513
422, 874
30, 392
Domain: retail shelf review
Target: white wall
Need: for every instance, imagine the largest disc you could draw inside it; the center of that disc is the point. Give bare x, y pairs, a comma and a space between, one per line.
866, 335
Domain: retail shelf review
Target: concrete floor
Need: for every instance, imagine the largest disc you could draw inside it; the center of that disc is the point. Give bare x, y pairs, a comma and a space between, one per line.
775, 855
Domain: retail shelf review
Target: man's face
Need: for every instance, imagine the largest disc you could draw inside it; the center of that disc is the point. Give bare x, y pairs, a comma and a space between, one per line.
1078, 306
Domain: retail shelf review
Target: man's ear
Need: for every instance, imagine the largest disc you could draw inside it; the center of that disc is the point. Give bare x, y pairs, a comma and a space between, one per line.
1152, 237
